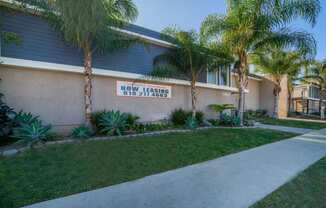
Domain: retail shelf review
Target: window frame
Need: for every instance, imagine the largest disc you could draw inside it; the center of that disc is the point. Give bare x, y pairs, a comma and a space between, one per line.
218, 76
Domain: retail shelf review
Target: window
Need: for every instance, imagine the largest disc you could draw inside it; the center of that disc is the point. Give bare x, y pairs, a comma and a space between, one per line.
224, 76
211, 77
314, 92
219, 76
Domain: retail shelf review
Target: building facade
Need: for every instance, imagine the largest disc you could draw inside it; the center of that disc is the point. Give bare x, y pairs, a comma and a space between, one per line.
44, 75
306, 99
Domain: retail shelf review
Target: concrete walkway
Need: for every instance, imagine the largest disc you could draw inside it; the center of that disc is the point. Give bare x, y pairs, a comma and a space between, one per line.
237, 180
283, 128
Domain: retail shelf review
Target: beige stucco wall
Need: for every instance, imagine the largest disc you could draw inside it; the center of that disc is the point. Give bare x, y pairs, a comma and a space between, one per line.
149, 109
252, 99
266, 98
57, 97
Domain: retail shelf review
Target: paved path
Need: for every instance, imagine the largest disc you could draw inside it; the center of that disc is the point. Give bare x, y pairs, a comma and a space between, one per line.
283, 128
237, 180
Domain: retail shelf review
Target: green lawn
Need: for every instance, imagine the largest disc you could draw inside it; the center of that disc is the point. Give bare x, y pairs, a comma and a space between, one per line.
307, 190
60, 170
291, 123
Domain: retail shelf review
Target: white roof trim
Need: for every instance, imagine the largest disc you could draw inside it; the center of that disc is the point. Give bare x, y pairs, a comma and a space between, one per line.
103, 72
249, 77
149, 39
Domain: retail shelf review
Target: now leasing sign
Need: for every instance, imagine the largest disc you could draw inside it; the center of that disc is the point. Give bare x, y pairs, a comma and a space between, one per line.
134, 89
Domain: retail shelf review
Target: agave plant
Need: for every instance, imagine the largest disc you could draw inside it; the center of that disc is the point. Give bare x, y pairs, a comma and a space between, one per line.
81, 132
191, 123
113, 123
31, 133
25, 118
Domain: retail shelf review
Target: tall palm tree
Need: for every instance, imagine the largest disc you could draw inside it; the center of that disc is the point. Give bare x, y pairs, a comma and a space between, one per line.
89, 25
278, 63
188, 60
250, 25
316, 74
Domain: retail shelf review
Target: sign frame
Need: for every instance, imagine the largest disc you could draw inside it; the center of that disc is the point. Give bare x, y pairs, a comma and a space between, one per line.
142, 85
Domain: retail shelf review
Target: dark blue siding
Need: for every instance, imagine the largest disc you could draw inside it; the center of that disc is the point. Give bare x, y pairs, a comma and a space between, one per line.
41, 43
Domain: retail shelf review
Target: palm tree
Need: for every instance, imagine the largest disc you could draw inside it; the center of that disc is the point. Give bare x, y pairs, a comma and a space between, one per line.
278, 63
251, 25
316, 74
89, 25
188, 60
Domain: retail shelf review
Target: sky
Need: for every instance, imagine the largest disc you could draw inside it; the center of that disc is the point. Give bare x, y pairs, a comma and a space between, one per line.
188, 14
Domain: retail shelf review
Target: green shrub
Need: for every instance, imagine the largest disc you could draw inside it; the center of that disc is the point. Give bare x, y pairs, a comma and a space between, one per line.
132, 120
191, 123
227, 120
214, 122
179, 117
142, 128
81, 132
156, 127
95, 118
31, 133
254, 114
7, 121
139, 128
261, 113
52, 136
199, 117
112, 123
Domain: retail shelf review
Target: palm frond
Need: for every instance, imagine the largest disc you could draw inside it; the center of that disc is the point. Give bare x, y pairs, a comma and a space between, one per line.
308, 10
284, 38
165, 72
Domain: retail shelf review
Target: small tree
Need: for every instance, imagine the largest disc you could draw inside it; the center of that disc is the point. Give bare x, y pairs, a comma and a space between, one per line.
220, 108
188, 60
277, 64
89, 25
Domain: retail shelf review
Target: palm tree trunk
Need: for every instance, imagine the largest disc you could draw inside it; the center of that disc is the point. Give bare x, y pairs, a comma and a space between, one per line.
242, 80
290, 103
193, 98
320, 99
88, 85
276, 101
241, 104
277, 91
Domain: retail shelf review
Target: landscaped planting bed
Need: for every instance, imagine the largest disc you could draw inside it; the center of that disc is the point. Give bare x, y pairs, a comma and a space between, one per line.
60, 170
306, 190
